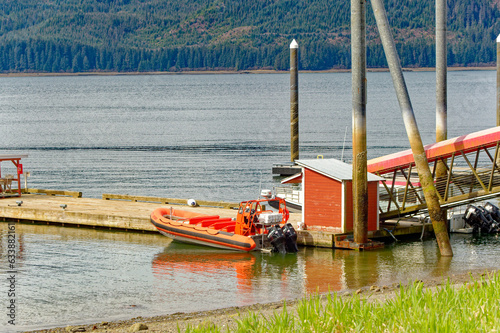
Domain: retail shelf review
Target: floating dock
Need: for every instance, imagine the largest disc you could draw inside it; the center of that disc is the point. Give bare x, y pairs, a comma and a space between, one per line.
285, 169
129, 213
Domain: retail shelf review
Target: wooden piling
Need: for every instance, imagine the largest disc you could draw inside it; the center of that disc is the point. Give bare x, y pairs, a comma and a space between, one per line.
441, 88
359, 165
436, 214
441, 72
294, 101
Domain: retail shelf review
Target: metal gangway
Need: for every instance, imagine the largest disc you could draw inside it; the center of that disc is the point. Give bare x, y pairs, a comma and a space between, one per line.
471, 173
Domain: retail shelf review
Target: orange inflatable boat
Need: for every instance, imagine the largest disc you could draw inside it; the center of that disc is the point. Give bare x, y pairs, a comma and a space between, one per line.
253, 228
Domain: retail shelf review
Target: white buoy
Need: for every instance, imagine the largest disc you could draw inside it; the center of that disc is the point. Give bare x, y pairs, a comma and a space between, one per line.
192, 203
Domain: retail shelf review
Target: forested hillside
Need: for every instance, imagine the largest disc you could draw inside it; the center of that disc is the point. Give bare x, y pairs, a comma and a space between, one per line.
174, 35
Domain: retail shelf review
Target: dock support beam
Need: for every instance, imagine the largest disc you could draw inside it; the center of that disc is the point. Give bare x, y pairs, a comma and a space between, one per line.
294, 101
359, 165
431, 197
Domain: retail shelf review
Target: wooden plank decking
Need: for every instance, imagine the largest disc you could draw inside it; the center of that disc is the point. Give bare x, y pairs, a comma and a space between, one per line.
120, 214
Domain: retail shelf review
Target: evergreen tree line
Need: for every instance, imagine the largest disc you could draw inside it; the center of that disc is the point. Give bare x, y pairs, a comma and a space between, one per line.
49, 56
174, 35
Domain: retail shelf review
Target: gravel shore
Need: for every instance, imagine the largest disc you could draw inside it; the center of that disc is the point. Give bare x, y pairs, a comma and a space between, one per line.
227, 317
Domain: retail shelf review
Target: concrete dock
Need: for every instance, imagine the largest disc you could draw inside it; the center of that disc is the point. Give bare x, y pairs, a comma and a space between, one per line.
134, 216
97, 213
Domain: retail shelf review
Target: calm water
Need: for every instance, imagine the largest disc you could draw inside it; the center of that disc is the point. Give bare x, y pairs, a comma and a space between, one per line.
212, 137
209, 137
74, 276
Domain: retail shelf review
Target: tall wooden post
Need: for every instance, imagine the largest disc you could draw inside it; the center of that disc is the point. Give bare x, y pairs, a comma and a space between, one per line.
431, 197
441, 90
359, 165
294, 101
441, 72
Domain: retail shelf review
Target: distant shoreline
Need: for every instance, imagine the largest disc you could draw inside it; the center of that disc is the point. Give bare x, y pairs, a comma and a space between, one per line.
257, 71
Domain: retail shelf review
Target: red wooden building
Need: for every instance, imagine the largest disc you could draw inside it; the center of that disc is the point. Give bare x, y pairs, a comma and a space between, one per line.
327, 192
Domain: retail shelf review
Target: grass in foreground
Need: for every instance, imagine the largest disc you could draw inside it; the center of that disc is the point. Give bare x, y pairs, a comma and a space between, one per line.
473, 307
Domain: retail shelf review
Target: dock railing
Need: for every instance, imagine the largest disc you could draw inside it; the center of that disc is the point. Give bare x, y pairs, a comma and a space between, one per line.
288, 193
471, 177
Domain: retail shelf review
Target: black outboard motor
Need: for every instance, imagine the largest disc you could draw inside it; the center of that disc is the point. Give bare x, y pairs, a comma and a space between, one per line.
493, 210
475, 218
495, 215
290, 238
490, 226
277, 239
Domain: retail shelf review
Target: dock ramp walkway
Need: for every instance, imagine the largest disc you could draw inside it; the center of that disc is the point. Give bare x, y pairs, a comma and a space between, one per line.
471, 165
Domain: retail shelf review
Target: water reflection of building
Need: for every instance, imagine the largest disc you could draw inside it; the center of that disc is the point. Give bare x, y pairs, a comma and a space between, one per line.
335, 270
284, 276
323, 272
256, 277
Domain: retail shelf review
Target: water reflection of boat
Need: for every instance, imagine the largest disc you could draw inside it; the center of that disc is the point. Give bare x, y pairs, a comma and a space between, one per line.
205, 265
178, 255
254, 274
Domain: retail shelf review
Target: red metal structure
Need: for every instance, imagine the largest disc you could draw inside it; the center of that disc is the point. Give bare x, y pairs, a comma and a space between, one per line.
441, 150
7, 180
472, 174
